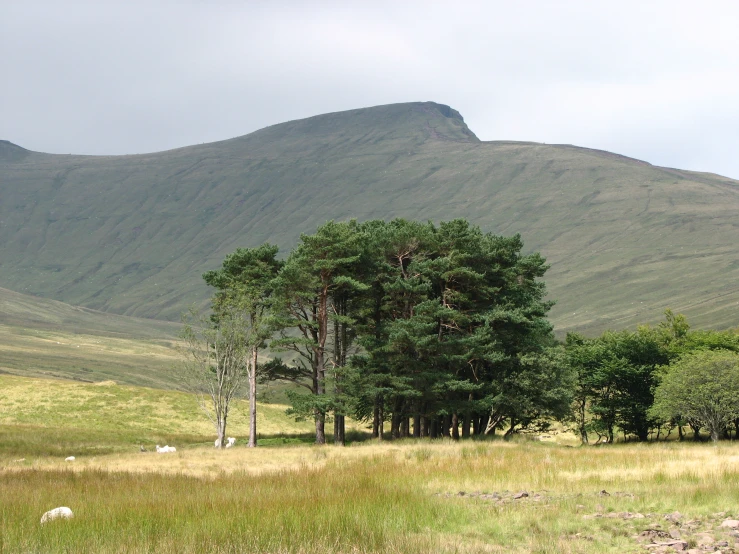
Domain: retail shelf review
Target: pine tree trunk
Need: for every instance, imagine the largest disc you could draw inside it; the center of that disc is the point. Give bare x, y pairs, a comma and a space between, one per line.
339, 431
455, 426
405, 428
320, 427
417, 426
445, 425
376, 419
466, 426
483, 425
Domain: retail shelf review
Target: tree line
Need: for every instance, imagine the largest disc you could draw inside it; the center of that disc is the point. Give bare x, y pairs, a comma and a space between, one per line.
436, 330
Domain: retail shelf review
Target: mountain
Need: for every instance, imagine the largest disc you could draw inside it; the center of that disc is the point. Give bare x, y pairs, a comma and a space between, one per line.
133, 234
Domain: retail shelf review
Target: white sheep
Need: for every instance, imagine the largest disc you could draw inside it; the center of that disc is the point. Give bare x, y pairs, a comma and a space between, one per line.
231, 442
56, 513
69, 459
165, 449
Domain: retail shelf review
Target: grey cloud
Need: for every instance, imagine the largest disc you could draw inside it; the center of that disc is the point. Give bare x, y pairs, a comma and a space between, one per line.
653, 80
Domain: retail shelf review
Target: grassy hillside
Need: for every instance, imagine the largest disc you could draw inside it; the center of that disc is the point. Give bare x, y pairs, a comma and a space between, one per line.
133, 234
50, 417
46, 338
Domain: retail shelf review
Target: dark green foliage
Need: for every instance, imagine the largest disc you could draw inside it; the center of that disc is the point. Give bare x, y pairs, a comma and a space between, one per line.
445, 319
616, 381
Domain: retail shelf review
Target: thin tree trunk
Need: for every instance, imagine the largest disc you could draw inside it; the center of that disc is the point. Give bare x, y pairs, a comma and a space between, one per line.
405, 428
376, 419
253, 399
466, 421
417, 426
483, 425
445, 425
434, 428
455, 426
320, 427
339, 430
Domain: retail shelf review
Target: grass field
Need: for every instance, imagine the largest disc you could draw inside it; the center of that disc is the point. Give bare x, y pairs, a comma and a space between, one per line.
403, 496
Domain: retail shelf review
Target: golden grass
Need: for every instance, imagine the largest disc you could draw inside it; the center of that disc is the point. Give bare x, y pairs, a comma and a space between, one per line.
386, 481
393, 496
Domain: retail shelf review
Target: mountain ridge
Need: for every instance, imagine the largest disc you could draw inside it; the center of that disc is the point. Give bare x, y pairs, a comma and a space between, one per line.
132, 234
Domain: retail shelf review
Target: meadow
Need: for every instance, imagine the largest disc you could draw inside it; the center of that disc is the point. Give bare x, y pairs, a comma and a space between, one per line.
288, 496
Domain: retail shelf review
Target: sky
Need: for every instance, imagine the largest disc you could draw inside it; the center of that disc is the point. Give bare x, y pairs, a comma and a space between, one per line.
654, 80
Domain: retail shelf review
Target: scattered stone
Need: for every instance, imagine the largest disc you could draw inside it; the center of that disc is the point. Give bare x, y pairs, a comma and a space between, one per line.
604, 492
730, 523
57, 513
652, 534
461, 493
704, 539
675, 517
522, 494
678, 545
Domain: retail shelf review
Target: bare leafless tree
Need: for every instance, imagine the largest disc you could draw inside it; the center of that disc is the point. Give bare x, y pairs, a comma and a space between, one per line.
216, 360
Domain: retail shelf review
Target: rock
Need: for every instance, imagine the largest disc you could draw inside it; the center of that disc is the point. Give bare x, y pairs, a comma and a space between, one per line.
63, 512
675, 517
678, 545
704, 538
604, 492
652, 534
69, 459
730, 523
522, 494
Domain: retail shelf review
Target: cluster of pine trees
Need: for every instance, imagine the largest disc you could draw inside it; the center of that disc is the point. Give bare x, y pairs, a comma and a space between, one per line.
437, 331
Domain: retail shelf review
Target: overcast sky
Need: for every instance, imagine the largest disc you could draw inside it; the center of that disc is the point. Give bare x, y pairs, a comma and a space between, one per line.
658, 81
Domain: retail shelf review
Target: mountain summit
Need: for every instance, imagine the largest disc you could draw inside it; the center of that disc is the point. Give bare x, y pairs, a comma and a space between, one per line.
133, 234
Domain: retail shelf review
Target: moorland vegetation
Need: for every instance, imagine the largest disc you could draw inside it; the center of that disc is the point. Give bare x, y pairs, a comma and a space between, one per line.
133, 234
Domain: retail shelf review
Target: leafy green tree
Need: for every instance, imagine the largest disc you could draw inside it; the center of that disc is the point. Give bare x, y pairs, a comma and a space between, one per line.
452, 310
308, 293
617, 374
702, 386
244, 286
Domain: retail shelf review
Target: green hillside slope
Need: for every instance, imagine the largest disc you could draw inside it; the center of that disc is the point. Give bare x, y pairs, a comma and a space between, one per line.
46, 338
132, 234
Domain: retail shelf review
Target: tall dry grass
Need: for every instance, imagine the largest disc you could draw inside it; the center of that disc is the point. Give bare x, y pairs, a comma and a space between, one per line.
390, 497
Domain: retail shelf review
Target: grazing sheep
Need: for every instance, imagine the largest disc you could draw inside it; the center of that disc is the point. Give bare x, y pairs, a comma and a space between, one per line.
216, 443
165, 449
69, 459
231, 442
57, 513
